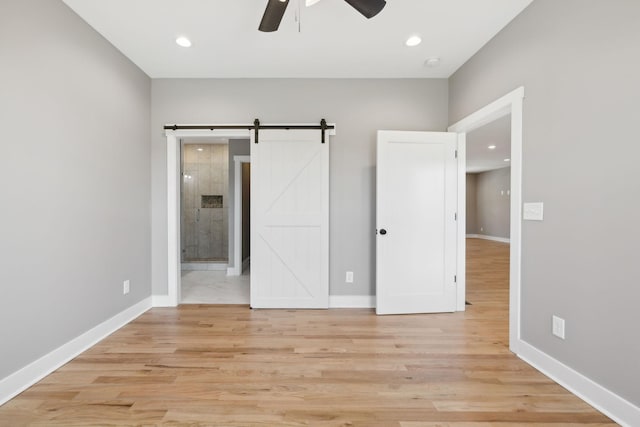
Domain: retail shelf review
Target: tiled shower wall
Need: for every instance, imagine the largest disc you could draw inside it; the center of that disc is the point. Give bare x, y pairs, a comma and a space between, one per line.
205, 231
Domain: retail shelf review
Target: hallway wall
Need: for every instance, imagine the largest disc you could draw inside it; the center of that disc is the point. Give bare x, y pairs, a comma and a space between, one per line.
489, 207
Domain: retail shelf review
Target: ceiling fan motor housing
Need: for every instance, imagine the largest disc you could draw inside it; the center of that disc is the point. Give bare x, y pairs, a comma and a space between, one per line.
368, 8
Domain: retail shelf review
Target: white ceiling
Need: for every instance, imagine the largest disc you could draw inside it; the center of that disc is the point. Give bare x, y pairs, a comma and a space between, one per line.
479, 157
335, 40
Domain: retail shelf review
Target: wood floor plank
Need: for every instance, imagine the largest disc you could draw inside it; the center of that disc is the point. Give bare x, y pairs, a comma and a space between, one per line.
232, 366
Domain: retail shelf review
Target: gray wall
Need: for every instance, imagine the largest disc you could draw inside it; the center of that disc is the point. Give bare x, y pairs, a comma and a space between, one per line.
358, 107
237, 147
578, 61
74, 180
493, 203
472, 204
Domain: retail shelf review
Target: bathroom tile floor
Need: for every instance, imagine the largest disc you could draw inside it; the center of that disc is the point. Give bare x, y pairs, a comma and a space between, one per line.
214, 287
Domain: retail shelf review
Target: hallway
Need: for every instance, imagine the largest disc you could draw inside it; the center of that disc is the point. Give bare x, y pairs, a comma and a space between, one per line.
488, 286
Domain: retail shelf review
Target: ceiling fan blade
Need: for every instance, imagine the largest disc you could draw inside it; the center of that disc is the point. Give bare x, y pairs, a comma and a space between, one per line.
368, 8
273, 15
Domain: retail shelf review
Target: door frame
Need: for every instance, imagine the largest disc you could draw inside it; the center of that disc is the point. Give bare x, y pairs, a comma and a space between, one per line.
172, 299
511, 103
236, 269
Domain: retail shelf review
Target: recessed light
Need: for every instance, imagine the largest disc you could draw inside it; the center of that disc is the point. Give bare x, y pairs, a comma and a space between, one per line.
183, 41
491, 147
507, 160
432, 62
200, 149
413, 41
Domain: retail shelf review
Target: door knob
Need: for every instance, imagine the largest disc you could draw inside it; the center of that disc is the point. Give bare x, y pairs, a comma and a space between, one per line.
383, 231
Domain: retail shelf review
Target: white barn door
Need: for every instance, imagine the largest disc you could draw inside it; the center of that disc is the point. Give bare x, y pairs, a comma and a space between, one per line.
416, 222
289, 219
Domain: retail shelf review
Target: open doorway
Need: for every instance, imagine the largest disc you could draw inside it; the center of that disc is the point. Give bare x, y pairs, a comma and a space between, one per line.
488, 210
510, 105
207, 222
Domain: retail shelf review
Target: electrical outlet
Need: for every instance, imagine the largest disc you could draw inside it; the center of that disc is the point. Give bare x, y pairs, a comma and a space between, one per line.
126, 287
481, 228
349, 277
557, 327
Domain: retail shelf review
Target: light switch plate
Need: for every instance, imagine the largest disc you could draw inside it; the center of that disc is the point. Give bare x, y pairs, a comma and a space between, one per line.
533, 211
557, 327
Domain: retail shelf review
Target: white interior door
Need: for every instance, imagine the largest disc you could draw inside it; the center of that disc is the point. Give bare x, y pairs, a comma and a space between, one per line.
416, 222
289, 219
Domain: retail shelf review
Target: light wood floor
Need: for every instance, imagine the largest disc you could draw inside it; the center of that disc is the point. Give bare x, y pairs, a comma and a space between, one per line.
231, 366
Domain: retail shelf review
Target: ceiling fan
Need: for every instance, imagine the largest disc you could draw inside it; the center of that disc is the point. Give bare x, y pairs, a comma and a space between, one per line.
275, 11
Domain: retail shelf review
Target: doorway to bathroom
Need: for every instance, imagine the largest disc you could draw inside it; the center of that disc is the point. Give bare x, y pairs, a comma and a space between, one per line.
209, 272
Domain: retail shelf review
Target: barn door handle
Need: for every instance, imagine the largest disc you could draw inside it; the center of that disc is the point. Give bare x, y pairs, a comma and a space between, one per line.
383, 231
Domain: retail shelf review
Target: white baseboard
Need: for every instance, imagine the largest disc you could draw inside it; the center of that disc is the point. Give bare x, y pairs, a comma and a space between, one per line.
161, 301
236, 271
204, 266
485, 237
35, 371
352, 301
607, 402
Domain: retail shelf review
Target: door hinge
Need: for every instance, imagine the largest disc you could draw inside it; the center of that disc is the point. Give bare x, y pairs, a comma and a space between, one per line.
455, 279
455, 216
456, 154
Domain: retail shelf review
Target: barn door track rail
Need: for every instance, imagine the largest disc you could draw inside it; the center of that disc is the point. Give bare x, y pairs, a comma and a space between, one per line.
323, 126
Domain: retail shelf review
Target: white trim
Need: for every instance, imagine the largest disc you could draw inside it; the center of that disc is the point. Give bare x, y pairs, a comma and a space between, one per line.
35, 371
352, 301
173, 219
161, 301
461, 254
615, 407
203, 133
173, 193
489, 113
236, 270
508, 104
485, 237
204, 266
